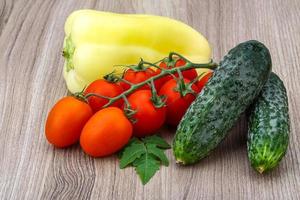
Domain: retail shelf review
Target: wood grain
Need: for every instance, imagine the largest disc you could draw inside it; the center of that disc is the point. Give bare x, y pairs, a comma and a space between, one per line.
31, 37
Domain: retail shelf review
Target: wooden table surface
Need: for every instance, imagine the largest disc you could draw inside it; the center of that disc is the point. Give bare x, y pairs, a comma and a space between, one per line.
31, 81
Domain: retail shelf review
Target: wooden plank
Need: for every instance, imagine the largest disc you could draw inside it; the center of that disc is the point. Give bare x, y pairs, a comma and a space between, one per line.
31, 36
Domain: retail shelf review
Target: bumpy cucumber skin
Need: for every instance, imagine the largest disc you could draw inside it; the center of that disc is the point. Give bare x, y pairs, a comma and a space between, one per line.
232, 88
269, 126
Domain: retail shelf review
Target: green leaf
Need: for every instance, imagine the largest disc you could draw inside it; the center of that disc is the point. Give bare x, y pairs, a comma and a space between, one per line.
131, 153
158, 141
131, 141
134, 140
146, 166
145, 155
159, 153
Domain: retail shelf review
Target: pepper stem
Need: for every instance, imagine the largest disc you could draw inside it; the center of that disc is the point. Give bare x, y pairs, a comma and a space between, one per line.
68, 52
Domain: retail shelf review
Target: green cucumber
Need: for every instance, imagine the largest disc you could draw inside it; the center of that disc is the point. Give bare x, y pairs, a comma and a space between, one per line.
269, 127
232, 88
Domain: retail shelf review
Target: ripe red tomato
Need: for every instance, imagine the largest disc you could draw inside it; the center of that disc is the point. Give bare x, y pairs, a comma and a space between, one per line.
188, 74
136, 77
106, 132
203, 80
66, 120
104, 88
149, 118
176, 105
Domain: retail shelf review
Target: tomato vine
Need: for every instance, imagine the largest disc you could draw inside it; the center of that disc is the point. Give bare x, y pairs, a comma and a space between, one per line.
164, 72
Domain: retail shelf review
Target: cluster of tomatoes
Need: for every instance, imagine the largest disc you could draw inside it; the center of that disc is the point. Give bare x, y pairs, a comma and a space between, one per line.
104, 131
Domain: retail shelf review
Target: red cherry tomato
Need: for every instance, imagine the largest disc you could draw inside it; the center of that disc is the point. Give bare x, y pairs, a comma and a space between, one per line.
188, 74
136, 77
66, 120
203, 80
176, 105
104, 88
106, 132
149, 118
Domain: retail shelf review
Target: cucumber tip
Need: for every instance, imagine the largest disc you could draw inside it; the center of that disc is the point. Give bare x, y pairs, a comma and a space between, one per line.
260, 169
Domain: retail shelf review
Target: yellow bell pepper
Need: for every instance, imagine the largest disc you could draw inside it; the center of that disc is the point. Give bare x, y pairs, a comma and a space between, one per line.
96, 42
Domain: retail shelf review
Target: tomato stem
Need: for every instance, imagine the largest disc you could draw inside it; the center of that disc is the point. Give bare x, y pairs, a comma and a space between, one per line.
125, 81
81, 96
127, 104
96, 95
111, 77
139, 67
158, 101
177, 55
181, 86
164, 72
128, 111
152, 65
